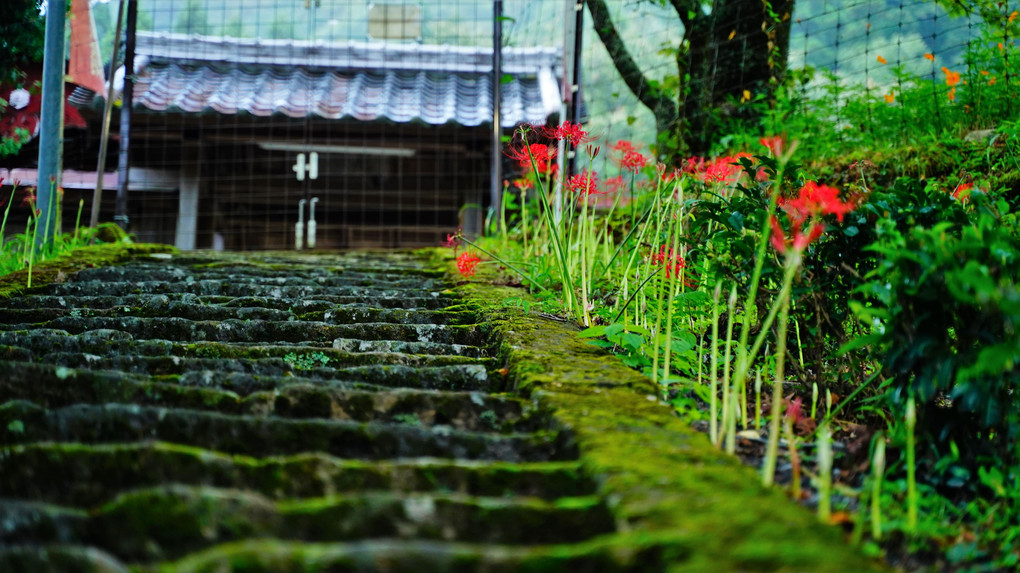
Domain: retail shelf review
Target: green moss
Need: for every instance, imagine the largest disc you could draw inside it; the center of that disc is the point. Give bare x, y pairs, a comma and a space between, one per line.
57, 269
664, 478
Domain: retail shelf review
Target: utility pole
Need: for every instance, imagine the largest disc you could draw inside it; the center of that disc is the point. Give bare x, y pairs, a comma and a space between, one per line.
496, 182
51, 130
120, 215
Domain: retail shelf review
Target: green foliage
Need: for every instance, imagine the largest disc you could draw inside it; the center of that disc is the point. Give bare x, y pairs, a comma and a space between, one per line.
308, 360
944, 308
22, 32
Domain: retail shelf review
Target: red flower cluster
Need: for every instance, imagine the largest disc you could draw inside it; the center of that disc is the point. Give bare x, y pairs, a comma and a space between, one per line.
451, 241
584, 183
963, 191
724, 170
775, 144
570, 132
466, 263
543, 154
667, 258
812, 202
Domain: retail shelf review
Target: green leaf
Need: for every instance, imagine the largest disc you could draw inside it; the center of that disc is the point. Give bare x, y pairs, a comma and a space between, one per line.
16, 427
593, 331
859, 342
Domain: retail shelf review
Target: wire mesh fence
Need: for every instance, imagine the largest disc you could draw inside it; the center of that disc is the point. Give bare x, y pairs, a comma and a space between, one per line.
250, 119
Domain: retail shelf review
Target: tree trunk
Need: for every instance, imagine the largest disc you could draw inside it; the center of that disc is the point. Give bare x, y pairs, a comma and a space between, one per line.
737, 54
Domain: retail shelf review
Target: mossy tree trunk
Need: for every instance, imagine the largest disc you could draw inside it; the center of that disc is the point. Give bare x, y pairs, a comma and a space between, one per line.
729, 55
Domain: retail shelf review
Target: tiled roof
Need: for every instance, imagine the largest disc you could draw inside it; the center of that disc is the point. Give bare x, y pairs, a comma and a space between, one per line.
357, 80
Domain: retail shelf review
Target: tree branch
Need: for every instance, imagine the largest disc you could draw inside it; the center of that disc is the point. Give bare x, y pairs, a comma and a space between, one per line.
663, 107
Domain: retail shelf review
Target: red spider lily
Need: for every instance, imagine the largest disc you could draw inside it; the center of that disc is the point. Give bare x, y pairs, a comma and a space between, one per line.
543, 154
623, 146
800, 241
452, 241
963, 191
523, 183
795, 410
466, 264
721, 170
813, 201
571, 133
613, 184
584, 183
667, 258
29, 199
633, 161
775, 144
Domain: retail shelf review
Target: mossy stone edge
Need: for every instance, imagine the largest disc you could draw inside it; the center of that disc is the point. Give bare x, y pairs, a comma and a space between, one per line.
667, 485
56, 269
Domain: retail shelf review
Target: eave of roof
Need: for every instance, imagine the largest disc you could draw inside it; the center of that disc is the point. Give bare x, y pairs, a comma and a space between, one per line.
356, 80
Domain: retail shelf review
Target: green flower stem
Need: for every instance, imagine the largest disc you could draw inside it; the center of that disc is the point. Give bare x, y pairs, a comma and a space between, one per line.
7, 212
676, 285
911, 419
713, 406
744, 358
730, 398
824, 449
505, 263
793, 260
877, 475
555, 238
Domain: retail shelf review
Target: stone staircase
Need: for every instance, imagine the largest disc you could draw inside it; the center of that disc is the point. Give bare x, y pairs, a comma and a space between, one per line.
276, 412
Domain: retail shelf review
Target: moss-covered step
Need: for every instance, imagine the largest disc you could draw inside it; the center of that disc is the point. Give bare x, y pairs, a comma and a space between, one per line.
22, 422
305, 304
36, 344
170, 521
38, 472
160, 306
58, 558
405, 347
232, 288
276, 370
58, 269
183, 330
307, 276
53, 386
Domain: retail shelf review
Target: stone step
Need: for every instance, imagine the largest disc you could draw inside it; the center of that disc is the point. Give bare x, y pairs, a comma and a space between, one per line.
183, 330
298, 277
268, 436
161, 307
167, 522
318, 302
38, 472
230, 288
56, 387
279, 371
340, 353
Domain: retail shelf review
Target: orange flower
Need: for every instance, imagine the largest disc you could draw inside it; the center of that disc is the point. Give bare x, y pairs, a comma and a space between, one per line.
952, 78
890, 98
929, 57
952, 94
881, 60
983, 72
991, 82
1000, 47
1013, 16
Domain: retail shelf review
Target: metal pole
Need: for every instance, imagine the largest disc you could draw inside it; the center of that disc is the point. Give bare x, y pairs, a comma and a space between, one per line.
97, 195
575, 87
51, 130
127, 95
496, 189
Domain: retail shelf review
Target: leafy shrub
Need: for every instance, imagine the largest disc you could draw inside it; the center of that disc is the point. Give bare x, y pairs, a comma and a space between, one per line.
944, 307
